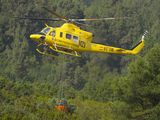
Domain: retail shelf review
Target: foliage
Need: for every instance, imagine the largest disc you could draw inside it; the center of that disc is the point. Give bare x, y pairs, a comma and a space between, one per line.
91, 110
21, 101
140, 90
99, 86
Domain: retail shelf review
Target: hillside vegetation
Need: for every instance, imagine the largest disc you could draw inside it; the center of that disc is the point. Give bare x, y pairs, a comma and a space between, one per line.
102, 86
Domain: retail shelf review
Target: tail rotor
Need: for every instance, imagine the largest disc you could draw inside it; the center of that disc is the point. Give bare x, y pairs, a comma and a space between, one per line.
145, 33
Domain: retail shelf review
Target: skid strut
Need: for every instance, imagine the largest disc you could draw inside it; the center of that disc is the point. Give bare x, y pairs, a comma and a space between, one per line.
56, 50
48, 54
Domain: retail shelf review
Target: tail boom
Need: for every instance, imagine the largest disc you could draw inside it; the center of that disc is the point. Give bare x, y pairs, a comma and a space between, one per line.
114, 50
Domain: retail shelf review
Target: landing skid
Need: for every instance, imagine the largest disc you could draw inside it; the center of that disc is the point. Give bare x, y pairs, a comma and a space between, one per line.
56, 50
50, 54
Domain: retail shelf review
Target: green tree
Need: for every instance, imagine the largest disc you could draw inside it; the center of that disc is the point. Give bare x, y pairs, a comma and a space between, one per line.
140, 90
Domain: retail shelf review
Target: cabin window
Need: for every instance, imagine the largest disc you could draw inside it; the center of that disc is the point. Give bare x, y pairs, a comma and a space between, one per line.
46, 30
68, 36
75, 38
61, 34
52, 33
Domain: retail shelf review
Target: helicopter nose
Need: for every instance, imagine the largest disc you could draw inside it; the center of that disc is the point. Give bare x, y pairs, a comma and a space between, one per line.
37, 37
34, 36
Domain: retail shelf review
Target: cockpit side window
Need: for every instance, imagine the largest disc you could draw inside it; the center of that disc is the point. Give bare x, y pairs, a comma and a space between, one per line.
46, 30
52, 33
68, 36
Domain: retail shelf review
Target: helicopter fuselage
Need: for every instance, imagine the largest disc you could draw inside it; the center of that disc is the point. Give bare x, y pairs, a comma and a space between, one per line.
70, 38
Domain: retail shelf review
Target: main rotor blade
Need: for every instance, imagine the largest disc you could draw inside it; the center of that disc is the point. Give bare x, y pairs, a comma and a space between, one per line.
32, 18
56, 14
100, 19
85, 24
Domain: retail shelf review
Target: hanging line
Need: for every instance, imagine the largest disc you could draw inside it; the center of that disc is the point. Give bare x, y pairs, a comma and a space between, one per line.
63, 77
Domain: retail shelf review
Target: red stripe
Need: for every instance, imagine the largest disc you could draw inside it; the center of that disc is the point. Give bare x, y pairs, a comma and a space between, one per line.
100, 49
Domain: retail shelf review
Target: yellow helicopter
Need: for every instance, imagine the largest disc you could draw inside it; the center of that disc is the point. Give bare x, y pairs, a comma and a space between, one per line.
70, 39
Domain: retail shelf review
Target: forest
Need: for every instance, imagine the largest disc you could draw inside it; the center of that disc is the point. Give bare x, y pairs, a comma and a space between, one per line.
97, 86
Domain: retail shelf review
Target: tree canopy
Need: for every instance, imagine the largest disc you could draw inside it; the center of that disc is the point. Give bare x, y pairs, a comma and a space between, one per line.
102, 86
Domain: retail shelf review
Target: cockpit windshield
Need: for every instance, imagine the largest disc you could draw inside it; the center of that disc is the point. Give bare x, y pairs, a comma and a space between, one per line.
46, 30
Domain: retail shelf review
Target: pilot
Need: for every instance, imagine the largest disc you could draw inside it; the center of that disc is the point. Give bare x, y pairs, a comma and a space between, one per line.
53, 33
